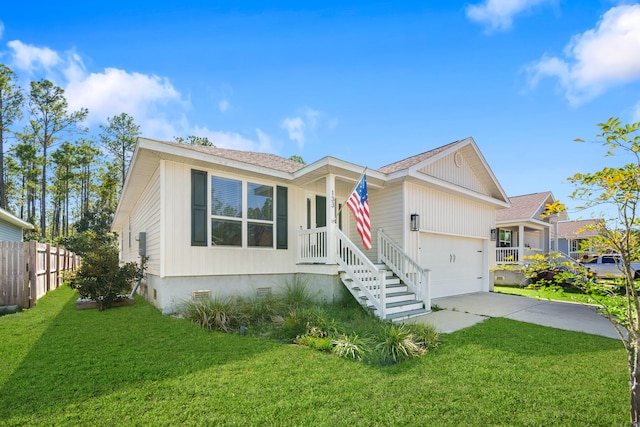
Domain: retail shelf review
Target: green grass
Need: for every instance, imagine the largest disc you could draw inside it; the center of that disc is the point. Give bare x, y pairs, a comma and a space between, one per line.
560, 295
133, 366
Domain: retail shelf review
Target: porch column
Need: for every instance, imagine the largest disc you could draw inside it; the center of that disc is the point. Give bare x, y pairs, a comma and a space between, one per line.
331, 218
520, 243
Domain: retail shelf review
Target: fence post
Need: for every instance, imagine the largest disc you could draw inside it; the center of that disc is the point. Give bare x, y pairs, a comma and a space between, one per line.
33, 271
47, 267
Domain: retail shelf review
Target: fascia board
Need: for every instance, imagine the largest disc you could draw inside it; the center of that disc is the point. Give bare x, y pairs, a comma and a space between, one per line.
12, 219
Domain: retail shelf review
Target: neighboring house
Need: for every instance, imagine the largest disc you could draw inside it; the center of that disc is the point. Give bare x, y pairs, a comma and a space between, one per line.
521, 230
572, 234
224, 222
12, 227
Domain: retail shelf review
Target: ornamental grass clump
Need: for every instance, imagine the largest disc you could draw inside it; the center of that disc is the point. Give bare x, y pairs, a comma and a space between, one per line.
351, 347
217, 313
397, 344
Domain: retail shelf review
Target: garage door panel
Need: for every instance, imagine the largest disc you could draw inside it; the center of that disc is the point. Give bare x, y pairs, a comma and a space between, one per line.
456, 263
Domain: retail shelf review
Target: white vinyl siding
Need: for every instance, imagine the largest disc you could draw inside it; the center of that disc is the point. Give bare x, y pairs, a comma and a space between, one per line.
182, 259
463, 176
445, 213
10, 232
387, 212
145, 217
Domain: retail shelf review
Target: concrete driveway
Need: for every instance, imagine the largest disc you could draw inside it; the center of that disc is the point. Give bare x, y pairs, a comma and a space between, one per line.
461, 311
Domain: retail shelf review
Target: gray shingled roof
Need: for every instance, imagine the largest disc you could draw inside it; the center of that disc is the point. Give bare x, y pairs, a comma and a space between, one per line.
414, 160
572, 229
525, 206
270, 161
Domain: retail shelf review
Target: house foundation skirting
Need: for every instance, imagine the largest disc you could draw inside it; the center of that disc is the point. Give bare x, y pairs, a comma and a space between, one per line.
167, 293
508, 277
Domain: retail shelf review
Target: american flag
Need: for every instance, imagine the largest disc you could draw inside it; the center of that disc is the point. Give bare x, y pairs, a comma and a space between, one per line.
359, 204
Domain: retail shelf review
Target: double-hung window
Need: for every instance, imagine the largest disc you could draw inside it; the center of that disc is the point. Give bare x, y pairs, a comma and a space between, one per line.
241, 213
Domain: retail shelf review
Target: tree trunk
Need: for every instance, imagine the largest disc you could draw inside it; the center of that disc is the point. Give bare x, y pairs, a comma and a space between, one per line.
634, 385
2, 191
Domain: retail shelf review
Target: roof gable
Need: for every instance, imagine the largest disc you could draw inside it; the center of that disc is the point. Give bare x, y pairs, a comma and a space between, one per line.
573, 229
458, 164
414, 160
525, 207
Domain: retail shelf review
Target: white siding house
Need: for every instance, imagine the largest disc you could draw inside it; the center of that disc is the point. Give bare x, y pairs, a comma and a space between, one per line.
231, 222
12, 227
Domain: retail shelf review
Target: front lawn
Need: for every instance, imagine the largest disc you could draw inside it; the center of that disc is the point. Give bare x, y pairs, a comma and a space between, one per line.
133, 366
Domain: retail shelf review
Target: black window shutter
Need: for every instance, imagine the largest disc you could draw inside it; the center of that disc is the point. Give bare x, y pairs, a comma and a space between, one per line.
282, 225
321, 211
198, 208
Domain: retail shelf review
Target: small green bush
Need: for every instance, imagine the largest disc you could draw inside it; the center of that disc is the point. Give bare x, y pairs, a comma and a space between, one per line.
316, 343
101, 278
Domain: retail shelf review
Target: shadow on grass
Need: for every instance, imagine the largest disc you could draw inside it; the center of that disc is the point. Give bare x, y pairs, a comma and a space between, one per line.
87, 353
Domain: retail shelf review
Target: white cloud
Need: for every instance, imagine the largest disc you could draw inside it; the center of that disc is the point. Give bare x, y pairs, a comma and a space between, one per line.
30, 58
115, 91
296, 127
498, 15
596, 59
301, 126
235, 141
223, 105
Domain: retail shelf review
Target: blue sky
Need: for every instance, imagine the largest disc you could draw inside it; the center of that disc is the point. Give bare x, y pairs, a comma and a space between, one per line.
367, 82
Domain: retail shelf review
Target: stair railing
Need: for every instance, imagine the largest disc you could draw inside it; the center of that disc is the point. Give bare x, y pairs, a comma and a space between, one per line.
363, 272
406, 268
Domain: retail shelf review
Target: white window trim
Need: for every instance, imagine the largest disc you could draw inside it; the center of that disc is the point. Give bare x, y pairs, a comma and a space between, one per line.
243, 219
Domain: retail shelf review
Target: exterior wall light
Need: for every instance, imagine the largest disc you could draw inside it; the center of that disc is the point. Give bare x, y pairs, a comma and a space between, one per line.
415, 222
494, 234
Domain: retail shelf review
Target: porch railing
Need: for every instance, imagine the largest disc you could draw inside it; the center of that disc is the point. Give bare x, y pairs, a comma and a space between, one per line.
507, 255
406, 268
312, 245
365, 275
514, 255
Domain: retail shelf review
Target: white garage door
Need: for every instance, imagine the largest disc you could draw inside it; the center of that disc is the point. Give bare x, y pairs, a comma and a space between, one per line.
456, 263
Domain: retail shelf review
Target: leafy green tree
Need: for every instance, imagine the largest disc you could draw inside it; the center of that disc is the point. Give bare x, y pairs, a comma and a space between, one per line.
298, 159
119, 139
49, 120
87, 156
11, 100
202, 141
619, 189
27, 161
65, 161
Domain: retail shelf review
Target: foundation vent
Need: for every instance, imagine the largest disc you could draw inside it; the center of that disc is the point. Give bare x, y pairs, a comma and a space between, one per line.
499, 277
200, 295
263, 292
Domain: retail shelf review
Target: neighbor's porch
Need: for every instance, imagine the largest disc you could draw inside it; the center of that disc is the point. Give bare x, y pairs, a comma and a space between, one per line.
515, 242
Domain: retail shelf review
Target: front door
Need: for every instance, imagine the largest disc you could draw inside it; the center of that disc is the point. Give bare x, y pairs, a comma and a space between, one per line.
316, 211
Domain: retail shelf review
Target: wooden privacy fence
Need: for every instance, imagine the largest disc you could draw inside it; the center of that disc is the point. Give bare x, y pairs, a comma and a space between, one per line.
29, 269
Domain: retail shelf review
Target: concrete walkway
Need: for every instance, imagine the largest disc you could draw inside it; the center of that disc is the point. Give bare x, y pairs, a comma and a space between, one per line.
461, 311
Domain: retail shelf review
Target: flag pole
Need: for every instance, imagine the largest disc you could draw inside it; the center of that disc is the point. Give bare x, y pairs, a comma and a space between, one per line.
351, 192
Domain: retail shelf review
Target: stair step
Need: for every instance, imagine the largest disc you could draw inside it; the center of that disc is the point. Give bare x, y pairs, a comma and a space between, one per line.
398, 317
403, 306
400, 296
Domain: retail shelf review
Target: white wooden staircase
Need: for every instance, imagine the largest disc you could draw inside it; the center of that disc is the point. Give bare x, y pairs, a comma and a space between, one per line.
400, 302
396, 289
